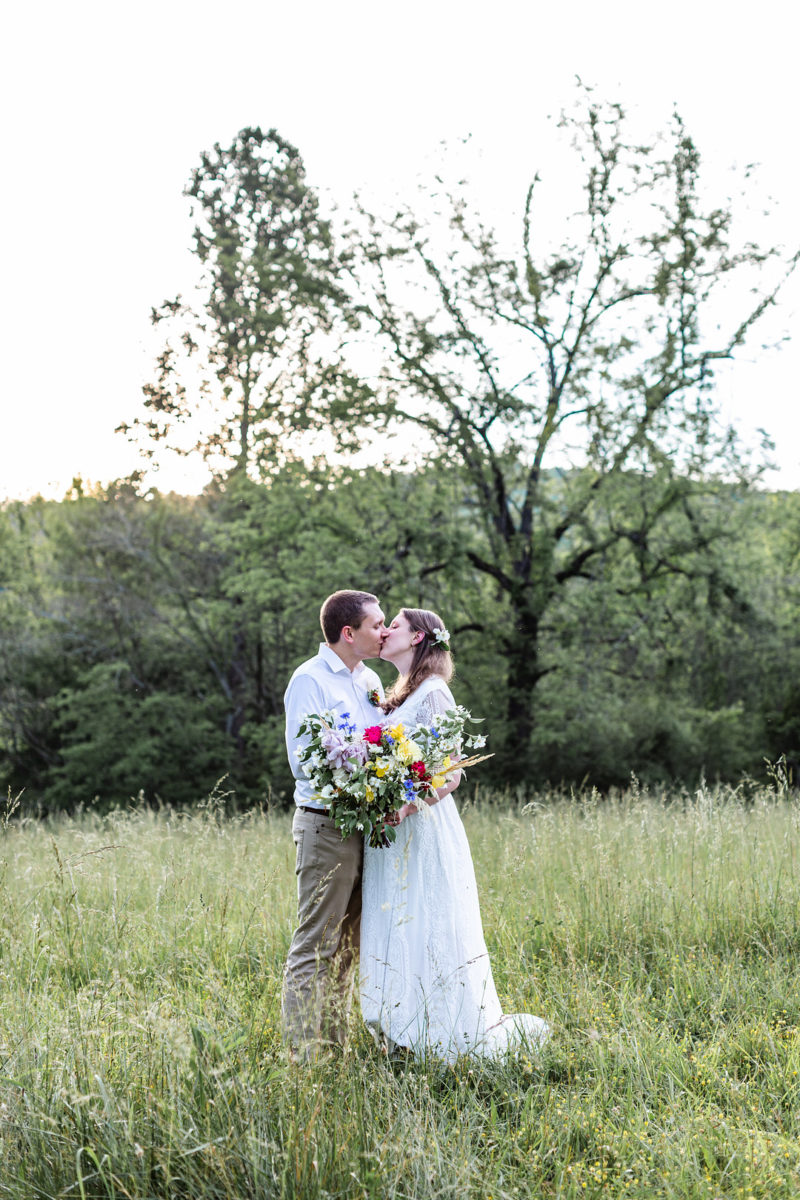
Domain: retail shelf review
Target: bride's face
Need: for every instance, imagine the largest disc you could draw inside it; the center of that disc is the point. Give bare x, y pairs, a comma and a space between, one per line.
400, 639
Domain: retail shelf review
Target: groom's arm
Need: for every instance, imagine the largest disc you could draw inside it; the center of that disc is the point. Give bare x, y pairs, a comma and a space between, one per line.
303, 696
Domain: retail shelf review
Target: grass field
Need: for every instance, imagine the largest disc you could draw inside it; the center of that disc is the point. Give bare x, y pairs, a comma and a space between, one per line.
139, 1027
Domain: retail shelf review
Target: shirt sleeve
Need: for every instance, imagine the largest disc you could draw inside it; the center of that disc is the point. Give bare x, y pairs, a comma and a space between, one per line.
303, 696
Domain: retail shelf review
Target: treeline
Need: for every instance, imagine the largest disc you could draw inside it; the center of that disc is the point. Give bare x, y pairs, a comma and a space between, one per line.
145, 642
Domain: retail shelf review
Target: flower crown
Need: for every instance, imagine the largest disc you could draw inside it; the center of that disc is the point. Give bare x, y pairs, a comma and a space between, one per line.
441, 638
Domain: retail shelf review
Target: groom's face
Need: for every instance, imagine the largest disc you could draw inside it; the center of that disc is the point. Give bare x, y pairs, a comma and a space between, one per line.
368, 638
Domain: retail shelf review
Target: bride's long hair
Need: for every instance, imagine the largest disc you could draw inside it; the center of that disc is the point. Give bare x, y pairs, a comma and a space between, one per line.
429, 658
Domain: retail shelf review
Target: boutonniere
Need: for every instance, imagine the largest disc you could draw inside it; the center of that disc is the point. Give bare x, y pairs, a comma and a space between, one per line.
374, 698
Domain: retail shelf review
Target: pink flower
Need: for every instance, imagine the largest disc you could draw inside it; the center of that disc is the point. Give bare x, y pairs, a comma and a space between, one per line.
373, 735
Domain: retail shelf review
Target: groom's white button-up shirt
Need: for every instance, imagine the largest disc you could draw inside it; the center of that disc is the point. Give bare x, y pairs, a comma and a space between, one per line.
323, 683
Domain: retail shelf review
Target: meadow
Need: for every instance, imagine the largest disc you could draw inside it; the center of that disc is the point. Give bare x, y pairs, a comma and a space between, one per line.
140, 1049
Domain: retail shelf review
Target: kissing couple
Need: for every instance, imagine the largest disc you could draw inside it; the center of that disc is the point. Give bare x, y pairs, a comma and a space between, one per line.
412, 907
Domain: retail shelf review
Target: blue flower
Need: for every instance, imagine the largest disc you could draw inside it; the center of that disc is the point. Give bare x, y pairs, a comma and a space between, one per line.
344, 723
434, 731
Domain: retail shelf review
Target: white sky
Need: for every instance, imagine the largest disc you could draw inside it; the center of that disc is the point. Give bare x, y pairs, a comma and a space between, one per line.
108, 106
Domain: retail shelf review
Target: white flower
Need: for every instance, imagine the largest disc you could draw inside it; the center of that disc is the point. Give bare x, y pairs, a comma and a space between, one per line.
359, 826
441, 637
328, 792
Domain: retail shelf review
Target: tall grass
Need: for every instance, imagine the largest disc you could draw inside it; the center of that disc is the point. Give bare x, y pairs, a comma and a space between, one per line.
139, 1025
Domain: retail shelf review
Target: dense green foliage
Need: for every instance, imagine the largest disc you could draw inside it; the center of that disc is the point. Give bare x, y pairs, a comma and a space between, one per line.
139, 1041
145, 644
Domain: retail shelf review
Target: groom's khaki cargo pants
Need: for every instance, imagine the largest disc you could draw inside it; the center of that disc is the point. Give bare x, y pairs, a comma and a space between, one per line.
318, 980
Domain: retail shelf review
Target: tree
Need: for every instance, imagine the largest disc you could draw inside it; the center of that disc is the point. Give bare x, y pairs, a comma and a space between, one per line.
32, 663
573, 381
269, 295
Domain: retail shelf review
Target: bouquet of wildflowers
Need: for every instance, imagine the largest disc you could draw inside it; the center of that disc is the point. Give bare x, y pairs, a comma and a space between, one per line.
365, 777
361, 777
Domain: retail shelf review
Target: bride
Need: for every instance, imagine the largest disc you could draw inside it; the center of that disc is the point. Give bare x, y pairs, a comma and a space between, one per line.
426, 981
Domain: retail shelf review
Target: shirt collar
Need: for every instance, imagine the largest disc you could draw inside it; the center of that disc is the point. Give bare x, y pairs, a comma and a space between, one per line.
335, 663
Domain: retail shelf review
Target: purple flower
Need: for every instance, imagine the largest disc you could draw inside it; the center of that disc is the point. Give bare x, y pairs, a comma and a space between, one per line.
336, 746
359, 752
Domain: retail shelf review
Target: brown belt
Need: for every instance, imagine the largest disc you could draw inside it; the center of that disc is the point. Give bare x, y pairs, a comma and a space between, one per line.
318, 812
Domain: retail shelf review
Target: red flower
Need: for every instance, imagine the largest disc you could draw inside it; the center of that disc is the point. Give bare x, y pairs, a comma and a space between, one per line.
419, 769
373, 735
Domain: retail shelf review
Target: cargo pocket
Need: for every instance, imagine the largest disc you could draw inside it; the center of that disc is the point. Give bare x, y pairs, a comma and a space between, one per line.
299, 839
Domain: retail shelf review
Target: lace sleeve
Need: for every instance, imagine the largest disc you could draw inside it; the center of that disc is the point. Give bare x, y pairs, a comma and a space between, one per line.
437, 700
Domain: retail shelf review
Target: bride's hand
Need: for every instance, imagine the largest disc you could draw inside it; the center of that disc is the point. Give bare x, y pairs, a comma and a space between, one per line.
407, 810
452, 783
457, 776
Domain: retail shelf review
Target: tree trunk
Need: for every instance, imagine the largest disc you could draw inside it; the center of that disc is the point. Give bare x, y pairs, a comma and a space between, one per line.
237, 690
524, 672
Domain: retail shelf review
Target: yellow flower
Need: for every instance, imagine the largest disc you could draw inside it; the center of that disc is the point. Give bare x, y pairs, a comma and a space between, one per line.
407, 752
381, 766
440, 780
397, 733
401, 751
370, 795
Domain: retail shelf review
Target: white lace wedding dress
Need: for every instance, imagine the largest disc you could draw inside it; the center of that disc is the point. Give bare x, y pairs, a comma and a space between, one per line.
426, 981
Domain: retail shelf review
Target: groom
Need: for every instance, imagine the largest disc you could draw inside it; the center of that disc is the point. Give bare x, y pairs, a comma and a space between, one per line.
317, 981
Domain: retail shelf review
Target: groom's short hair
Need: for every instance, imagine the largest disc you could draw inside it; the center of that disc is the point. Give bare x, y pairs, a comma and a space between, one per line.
343, 608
